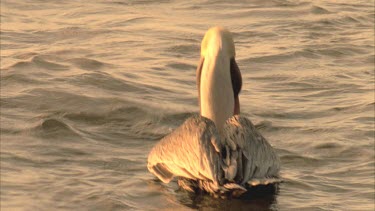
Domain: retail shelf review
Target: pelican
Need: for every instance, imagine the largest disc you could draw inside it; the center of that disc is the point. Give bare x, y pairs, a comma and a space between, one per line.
218, 151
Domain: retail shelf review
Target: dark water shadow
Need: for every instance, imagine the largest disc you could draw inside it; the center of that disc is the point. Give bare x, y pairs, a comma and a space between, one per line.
262, 197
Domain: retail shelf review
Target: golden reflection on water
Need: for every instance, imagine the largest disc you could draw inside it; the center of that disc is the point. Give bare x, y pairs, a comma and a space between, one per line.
87, 87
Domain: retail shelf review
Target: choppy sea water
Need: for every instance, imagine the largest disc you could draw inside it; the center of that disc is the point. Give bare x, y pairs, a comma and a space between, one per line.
89, 87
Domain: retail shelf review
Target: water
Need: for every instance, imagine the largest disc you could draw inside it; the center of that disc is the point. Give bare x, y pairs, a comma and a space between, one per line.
88, 87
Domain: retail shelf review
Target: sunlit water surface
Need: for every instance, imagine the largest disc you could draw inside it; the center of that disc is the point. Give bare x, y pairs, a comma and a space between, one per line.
88, 87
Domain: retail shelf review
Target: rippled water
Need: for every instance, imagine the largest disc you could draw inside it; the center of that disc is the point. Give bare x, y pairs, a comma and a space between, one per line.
88, 87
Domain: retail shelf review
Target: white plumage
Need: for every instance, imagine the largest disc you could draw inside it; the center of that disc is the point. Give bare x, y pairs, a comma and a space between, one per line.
217, 151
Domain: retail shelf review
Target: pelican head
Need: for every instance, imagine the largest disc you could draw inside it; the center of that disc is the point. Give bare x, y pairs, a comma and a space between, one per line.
218, 77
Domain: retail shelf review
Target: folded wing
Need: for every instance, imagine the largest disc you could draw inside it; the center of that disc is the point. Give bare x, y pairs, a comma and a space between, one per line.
187, 152
256, 160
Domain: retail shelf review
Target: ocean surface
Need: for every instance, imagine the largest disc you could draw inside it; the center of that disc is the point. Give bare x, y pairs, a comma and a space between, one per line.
89, 87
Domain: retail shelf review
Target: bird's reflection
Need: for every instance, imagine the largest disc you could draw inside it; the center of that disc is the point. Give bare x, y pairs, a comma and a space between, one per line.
262, 197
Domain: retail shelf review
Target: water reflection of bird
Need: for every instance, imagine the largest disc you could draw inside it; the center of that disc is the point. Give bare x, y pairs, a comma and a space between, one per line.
218, 151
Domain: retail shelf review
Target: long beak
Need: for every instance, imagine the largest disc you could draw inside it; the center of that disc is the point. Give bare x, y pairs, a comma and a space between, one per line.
199, 72
235, 75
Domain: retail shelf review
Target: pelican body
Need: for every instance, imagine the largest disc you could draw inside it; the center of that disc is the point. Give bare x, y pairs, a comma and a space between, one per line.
217, 151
